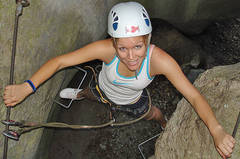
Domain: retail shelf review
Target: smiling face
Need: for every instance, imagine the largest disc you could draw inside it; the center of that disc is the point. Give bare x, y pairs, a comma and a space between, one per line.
131, 51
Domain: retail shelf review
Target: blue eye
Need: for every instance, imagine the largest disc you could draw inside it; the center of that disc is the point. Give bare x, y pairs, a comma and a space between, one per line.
122, 48
138, 46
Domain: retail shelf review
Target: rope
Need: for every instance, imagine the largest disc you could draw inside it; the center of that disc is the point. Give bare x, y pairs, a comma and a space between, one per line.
26, 127
136, 120
29, 126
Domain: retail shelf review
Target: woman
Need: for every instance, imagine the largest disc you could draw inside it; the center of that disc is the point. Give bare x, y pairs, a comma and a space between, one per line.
129, 65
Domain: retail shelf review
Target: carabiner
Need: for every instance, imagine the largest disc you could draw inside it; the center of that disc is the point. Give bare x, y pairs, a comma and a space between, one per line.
12, 123
11, 134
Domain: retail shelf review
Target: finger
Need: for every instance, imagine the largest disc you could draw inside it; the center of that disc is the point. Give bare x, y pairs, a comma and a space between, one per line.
224, 149
6, 93
5, 98
220, 152
9, 99
13, 104
229, 149
232, 140
8, 102
7, 87
230, 144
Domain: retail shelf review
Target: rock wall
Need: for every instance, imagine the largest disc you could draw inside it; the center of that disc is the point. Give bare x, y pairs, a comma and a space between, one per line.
186, 136
46, 29
50, 28
191, 16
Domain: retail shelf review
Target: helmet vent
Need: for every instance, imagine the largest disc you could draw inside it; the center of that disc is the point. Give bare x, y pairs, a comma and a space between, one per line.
115, 26
128, 19
147, 22
144, 15
115, 19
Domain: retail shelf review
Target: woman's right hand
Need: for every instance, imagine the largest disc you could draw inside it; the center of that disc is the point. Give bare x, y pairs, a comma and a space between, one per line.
14, 94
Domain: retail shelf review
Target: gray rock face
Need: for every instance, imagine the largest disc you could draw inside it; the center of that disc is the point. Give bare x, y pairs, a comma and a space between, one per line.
186, 136
186, 52
191, 16
46, 29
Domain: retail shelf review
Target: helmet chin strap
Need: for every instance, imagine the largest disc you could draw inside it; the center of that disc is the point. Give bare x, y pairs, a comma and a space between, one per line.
149, 39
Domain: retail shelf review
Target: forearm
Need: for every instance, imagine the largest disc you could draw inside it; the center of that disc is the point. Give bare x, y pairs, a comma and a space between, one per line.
205, 112
46, 71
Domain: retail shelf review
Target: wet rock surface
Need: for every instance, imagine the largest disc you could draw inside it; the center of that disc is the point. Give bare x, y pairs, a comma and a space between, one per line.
220, 41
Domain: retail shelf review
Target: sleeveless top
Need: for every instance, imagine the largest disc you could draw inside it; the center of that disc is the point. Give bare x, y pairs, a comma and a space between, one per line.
124, 90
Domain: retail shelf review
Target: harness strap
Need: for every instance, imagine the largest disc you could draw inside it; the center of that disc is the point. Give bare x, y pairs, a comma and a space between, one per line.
97, 87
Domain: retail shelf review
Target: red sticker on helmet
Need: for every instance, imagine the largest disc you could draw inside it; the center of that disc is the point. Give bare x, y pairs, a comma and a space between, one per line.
132, 29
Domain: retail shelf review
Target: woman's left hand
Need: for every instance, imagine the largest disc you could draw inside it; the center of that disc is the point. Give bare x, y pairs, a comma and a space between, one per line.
224, 142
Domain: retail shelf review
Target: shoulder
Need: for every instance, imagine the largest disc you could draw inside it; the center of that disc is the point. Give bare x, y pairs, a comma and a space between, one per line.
104, 49
99, 50
161, 62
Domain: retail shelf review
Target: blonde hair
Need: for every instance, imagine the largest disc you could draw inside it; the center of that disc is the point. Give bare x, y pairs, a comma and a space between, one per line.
147, 39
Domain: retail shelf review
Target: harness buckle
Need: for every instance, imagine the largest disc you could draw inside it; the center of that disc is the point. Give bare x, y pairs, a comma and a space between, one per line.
12, 123
11, 134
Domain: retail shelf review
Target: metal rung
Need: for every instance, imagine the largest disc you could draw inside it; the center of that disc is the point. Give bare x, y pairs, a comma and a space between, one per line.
139, 146
79, 85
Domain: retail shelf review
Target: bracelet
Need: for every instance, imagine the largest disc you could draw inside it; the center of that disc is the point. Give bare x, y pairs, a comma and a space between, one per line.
31, 84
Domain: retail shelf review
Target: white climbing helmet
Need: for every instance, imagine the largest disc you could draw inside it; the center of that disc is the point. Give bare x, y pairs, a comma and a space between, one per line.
128, 19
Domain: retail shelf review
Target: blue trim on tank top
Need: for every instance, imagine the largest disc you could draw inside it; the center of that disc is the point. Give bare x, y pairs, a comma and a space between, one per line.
139, 70
148, 64
125, 76
107, 64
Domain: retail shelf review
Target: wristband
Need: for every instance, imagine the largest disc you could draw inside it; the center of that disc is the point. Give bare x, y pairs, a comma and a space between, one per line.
31, 84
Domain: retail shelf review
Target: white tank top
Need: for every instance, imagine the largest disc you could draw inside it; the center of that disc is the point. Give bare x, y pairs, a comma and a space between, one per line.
124, 90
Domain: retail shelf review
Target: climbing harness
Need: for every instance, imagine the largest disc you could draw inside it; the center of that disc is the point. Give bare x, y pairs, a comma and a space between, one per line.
18, 13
